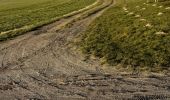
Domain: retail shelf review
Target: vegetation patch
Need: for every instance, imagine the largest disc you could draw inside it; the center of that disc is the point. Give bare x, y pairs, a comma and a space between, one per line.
135, 33
19, 16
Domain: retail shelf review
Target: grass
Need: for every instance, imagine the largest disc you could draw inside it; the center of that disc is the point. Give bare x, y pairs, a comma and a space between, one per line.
19, 16
138, 36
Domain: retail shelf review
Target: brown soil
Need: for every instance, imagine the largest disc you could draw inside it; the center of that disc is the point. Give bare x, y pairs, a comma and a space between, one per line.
42, 65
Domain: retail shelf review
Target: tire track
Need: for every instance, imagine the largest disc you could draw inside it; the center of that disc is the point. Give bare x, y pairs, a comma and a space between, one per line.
59, 21
22, 59
55, 70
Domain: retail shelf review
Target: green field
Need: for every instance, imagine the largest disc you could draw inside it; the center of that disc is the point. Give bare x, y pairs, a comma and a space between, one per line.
134, 34
16, 14
12, 4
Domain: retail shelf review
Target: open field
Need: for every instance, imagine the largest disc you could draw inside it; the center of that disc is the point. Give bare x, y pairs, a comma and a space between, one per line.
134, 34
44, 64
19, 16
14, 4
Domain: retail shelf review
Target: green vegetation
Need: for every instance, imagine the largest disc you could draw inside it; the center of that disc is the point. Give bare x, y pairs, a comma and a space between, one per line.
135, 34
23, 15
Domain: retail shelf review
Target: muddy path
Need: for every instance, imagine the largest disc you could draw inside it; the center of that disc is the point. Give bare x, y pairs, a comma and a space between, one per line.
42, 65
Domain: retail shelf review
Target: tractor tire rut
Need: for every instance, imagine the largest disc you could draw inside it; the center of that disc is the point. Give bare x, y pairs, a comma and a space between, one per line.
43, 65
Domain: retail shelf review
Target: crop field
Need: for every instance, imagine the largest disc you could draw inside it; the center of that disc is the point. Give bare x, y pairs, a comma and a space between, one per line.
29, 14
134, 34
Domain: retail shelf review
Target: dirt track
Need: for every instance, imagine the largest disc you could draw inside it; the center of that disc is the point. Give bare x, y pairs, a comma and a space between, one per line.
42, 65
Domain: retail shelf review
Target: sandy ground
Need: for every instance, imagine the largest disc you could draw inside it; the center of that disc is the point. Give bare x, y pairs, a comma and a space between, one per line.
41, 65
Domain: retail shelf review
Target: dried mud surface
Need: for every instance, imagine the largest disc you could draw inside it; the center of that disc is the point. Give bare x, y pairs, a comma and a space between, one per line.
41, 65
